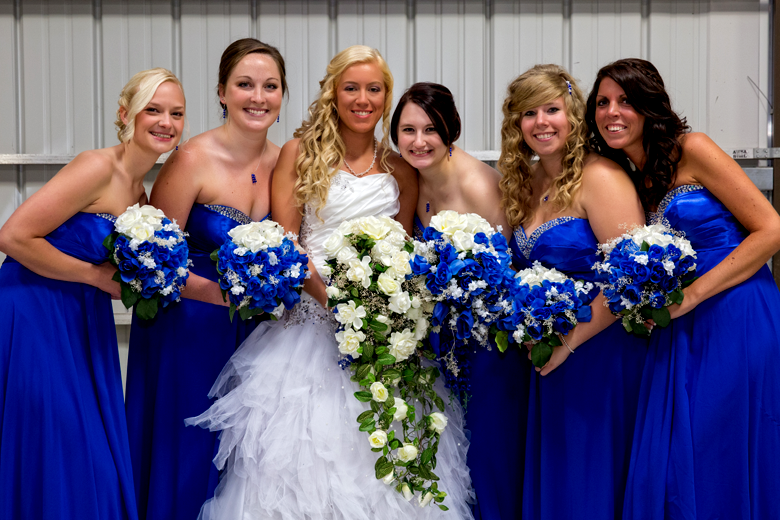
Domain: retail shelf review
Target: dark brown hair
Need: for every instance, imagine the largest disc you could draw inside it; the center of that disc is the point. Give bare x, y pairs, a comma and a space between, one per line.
437, 101
239, 49
661, 133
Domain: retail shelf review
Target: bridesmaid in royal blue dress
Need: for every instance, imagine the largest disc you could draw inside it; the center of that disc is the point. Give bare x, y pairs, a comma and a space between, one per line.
492, 385
582, 403
63, 438
707, 441
214, 182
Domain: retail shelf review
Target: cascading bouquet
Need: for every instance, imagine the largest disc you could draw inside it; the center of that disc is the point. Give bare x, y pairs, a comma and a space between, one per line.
260, 269
647, 269
467, 272
546, 303
151, 257
382, 320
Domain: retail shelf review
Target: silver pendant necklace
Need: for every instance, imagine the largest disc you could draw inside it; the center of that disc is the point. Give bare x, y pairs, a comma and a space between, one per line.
369, 168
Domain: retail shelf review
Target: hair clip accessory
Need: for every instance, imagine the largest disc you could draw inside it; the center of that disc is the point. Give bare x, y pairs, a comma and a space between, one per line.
568, 84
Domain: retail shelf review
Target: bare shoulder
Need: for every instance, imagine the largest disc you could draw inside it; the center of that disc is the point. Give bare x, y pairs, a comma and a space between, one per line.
290, 149
93, 167
401, 169
599, 170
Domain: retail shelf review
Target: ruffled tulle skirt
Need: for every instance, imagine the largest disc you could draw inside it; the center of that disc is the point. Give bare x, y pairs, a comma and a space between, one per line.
289, 441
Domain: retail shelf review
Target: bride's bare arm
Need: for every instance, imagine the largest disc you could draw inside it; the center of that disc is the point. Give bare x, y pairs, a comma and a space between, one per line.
286, 212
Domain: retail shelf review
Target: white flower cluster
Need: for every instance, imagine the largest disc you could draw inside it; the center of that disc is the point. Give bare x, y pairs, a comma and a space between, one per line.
256, 236
653, 234
461, 228
139, 224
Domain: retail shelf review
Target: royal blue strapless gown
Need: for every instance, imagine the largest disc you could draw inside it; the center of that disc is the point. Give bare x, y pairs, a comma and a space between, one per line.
707, 442
495, 392
173, 361
63, 438
580, 416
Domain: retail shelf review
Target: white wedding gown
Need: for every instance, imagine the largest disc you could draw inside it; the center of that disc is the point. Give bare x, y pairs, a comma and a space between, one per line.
289, 440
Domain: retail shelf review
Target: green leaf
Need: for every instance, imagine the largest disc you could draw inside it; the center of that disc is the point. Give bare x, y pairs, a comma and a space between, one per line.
365, 415
540, 354
109, 243
408, 247
129, 296
645, 246
391, 374
146, 309
408, 375
364, 396
232, 311
676, 296
374, 405
502, 340
395, 444
369, 425
661, 317
427, 456
383, 469
214, 255
376, 325
353, 291
378, 336
368, 350
117, 278
386, 359
439, 403
362, 371
443, 507
639, 328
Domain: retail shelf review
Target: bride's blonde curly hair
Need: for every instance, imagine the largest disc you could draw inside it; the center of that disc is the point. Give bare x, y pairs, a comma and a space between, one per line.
321, 146
537, 86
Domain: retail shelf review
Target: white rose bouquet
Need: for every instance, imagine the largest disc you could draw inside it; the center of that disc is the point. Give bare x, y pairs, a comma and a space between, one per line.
260, 269
547, 303
468, 274
151, 257
646, 270
382, 320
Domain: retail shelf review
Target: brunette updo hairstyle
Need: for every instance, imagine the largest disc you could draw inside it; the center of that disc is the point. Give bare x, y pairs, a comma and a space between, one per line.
239, 49
437, 101
661, 133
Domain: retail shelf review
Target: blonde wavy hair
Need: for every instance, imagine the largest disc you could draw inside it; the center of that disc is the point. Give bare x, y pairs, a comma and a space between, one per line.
134, 97
537, 86
321, 146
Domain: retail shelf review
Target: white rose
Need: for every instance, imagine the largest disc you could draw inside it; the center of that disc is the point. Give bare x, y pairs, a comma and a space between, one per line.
476, 224
438, 422
402, 344
348, 314
346, 254
407, 453
553, 275
349, 341
346, 227
383, 252
388, 284
406, 491
448, 222
462, 241
389, 478
332, 292
400, 302
239, 233
378, 392
335, 243
128, 219
686, 249
425, 499
326, 271
147, 210
374, 227
421, 329
396, 238
359, 271
378, 439
400, 263
400, 409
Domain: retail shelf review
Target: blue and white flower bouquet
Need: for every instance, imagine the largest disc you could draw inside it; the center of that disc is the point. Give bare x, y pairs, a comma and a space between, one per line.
646, 269
467, 269
150, 253
382, 320
546, 304
260, 269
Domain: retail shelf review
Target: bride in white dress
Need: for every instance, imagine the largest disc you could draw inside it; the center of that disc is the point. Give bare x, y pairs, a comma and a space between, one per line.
289, 443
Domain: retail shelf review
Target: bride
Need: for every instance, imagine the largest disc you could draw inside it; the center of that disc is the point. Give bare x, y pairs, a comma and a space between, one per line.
290, 446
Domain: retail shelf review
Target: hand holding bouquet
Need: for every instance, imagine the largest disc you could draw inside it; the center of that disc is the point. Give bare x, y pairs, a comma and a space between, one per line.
547, 303
260, 269
382, 320
150, 254
647, 269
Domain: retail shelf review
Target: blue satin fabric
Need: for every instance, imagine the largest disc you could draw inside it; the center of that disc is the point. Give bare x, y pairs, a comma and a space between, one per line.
496, 408
581, 416
707, 441
174, 359
63, 438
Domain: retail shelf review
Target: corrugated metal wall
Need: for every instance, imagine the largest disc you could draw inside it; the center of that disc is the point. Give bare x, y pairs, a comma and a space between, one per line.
63, 62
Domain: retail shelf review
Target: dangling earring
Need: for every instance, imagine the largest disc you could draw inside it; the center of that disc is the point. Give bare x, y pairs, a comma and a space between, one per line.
450, 151
224, 113
400, 155
277, 118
